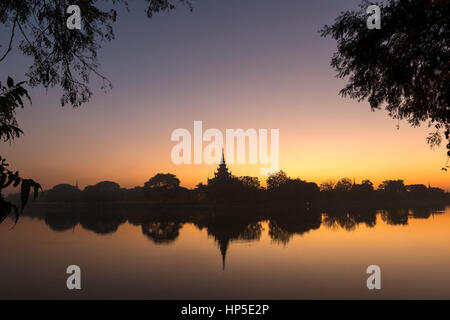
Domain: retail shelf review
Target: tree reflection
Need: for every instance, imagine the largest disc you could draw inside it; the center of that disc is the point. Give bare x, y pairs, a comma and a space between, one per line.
395, 216
101, 223
284, 226
225, 225
161, 232
349, 220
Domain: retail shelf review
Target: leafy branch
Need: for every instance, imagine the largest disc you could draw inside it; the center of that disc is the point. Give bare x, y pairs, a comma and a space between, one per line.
11, 97
11, 178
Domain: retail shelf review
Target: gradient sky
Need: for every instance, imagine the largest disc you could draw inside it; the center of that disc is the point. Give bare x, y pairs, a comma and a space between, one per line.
231, 64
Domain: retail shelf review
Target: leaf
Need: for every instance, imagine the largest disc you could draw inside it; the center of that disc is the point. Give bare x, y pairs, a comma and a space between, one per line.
16, 213
36, 187
2, 180
24, 192
10, 82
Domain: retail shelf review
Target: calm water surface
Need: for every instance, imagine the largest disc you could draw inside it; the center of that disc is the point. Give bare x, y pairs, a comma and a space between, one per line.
204, 256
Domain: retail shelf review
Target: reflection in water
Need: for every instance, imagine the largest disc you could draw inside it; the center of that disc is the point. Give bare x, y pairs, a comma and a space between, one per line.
162, 225
396, 216
161, 231
349, 220
216, 252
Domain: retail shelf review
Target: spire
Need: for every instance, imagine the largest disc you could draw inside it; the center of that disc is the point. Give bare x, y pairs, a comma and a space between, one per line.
223, 157
222, 170
223, 246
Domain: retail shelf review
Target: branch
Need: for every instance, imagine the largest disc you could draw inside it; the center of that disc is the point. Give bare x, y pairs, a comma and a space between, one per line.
26, 38
10, 40
87, 65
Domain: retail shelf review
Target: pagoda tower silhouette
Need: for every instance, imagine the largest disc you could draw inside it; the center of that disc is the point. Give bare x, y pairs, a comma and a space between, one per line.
222, 172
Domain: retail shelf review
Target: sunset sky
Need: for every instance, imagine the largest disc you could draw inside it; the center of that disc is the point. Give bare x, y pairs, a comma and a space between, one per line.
232, 64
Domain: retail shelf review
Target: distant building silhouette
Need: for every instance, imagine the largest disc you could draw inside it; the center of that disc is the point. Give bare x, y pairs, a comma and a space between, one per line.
222, 172
223, 243
224, 187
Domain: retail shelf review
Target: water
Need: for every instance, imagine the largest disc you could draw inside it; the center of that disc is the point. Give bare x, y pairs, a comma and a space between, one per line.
130, 252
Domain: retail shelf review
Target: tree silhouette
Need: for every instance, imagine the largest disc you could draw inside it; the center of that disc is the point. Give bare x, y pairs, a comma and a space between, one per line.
344, 185
162, 186
327, 186
250, 182
63, 193
64, 57
102, 191
61, 57
276, 180
392, 186
163, 180
282, 188
161, 232
365, 188
404, 66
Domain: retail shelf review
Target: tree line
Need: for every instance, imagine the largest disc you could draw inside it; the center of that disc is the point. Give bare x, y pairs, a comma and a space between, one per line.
165, 188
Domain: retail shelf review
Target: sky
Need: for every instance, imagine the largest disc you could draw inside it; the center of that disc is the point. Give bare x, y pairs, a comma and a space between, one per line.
231, 64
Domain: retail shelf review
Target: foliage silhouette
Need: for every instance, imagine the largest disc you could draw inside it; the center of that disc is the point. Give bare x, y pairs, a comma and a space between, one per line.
404, 66
102, 191
7, 178
163, 187
61, 57
63, 193
11, 98
226, 189
64, 57
392, 186
163, 180
343, 185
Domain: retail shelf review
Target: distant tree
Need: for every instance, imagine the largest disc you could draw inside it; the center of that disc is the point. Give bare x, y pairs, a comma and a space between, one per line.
283, 188
392, 186
226, 190
416, 188
368, 183
201, 187
136, 193
63, 193
310, 190
365, 187
344, 185
327, 186
250, 182
276, 180
436, 190
102, 191
162, 187
404, 66
163, 180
